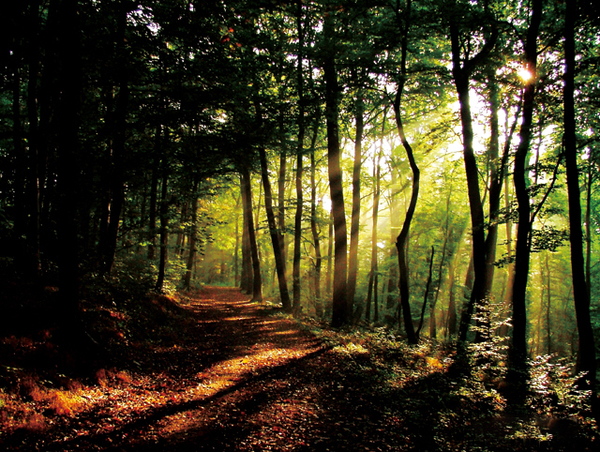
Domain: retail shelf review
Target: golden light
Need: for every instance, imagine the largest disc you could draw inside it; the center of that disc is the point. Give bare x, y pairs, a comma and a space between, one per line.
524, 74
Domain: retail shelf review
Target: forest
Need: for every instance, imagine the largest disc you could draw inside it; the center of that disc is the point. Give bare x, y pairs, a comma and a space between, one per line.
422, 170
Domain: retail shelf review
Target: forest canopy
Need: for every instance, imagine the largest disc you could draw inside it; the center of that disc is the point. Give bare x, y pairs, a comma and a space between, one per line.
428, 166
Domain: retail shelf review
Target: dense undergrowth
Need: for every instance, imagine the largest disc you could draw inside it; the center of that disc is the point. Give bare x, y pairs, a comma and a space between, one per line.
143, 342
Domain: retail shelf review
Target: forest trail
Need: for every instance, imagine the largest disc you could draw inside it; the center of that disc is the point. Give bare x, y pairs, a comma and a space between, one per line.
232, 375
241, 380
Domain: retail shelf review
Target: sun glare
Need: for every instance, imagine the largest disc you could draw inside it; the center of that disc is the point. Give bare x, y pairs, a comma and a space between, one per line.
524, 74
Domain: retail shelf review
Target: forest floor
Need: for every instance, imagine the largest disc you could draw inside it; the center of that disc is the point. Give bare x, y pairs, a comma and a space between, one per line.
211, 371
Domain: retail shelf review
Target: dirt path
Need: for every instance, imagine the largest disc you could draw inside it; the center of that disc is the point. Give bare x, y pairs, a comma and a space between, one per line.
235, 378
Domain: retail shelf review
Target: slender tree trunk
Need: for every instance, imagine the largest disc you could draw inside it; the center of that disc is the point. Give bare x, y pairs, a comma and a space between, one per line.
588, 230
299, 167
586, 356
426, 295
452, 318
355, 219
447, 233
375, 298
280, 221
247, 206
330, 239
119, 139
154, 195
340, 314
394, 229
313, 223
523, 248
246, 272
275, 236
496, 179
461, 71
35, 141
401, 242
236, 252
68, 184
164, 231
477, 294
549, 347
187, 279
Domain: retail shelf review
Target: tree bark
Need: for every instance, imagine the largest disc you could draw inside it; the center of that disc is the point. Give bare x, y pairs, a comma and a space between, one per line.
164, 231
299, 168
68, 146
340, 313
153, 209
426, 295
249, 222
313, 223
586, 356
462, 68
117, 148
401, 242
518, 349
275, 235
246, 270
355, 219
187, 279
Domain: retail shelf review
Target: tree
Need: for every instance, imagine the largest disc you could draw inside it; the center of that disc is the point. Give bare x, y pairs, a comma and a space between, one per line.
299, 164
403, 236
463, 66
356, 178
249, 225
340, 303
68, 149
275, 236
523, 246
586, 356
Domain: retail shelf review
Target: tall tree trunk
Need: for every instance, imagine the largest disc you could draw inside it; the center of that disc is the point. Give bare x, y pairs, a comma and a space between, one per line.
117, 176
313, 222
154, 195
588, 229
246, 271
548, 305
426, 295
164, 230
299, 167
447, 233
275, 235
496, 179
518, 349
70, 87
401, 242
355, 219
35, 140
586, 356
329, 273
372, 288
187, 278
394, 228
340, 313
249, 222
452, 318
461, 71
280, 223
236, 252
